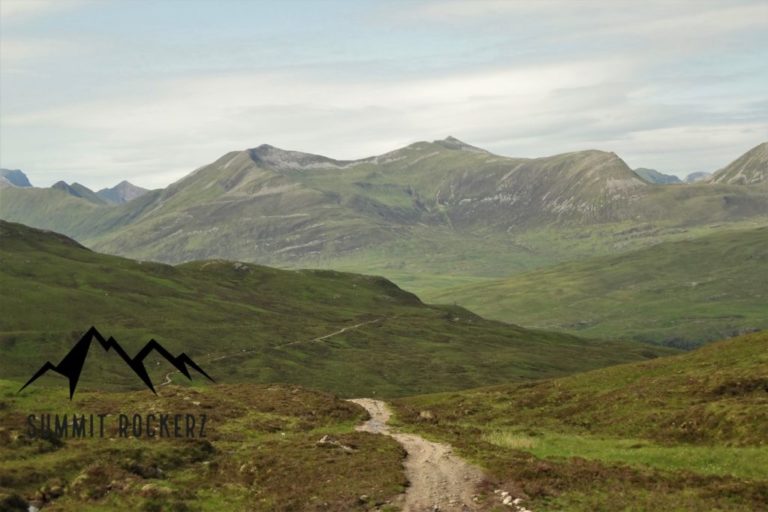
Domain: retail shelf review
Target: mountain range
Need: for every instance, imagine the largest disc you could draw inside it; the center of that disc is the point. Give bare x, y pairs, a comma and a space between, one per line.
274, 206
442, 219
120, 193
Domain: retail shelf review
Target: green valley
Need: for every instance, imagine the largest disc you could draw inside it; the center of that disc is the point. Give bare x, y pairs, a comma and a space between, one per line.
679, 293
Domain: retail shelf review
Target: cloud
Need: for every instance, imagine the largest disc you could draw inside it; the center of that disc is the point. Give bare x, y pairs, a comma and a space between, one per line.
18, 51
18, 54
657, 26
197, 119
519, 78
15, 10
524, 111
648, 17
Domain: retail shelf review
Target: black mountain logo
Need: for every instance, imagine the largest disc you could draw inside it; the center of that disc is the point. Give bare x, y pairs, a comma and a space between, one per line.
72, 364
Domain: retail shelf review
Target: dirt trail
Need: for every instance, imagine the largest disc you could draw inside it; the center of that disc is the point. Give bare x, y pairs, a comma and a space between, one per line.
439, 480
335, 333
244, 352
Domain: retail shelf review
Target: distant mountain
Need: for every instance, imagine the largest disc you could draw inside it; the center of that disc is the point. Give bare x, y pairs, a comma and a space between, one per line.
266, 202
121, 193
14, 177
275, 206
78, 190
655, 177
749, 169
348, 333
437, 208
697, 177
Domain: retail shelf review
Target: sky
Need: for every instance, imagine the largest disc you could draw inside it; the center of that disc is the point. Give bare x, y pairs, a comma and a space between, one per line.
148, 90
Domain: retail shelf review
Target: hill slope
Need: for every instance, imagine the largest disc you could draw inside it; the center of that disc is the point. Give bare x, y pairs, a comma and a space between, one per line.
681, 293
716, 393
347, 333
687, 432
749, 169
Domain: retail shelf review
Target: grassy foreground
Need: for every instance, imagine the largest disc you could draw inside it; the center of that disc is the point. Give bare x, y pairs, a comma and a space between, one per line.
261, 453
687, 432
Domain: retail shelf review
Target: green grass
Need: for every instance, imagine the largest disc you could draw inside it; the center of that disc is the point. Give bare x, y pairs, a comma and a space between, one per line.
681, 293
743, 462
263, 320
686, 432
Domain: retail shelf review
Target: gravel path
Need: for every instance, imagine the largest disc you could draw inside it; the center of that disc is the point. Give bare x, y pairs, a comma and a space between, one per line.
439, 480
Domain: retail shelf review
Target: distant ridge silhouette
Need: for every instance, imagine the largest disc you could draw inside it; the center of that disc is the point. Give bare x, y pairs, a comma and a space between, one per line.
72, 364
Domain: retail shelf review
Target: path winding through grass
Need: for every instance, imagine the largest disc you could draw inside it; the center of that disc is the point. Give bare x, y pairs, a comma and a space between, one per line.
439, 480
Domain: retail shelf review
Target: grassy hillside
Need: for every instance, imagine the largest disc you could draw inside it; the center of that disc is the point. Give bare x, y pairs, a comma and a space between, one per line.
60, 211
260, 453
688, 432
680, 293
352, 334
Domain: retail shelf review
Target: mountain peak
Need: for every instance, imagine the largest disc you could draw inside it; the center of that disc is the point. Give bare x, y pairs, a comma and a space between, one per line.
749, 169
14, 178
121, 193
452, 142
282, 159
265, 148
78, 190
697, 177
